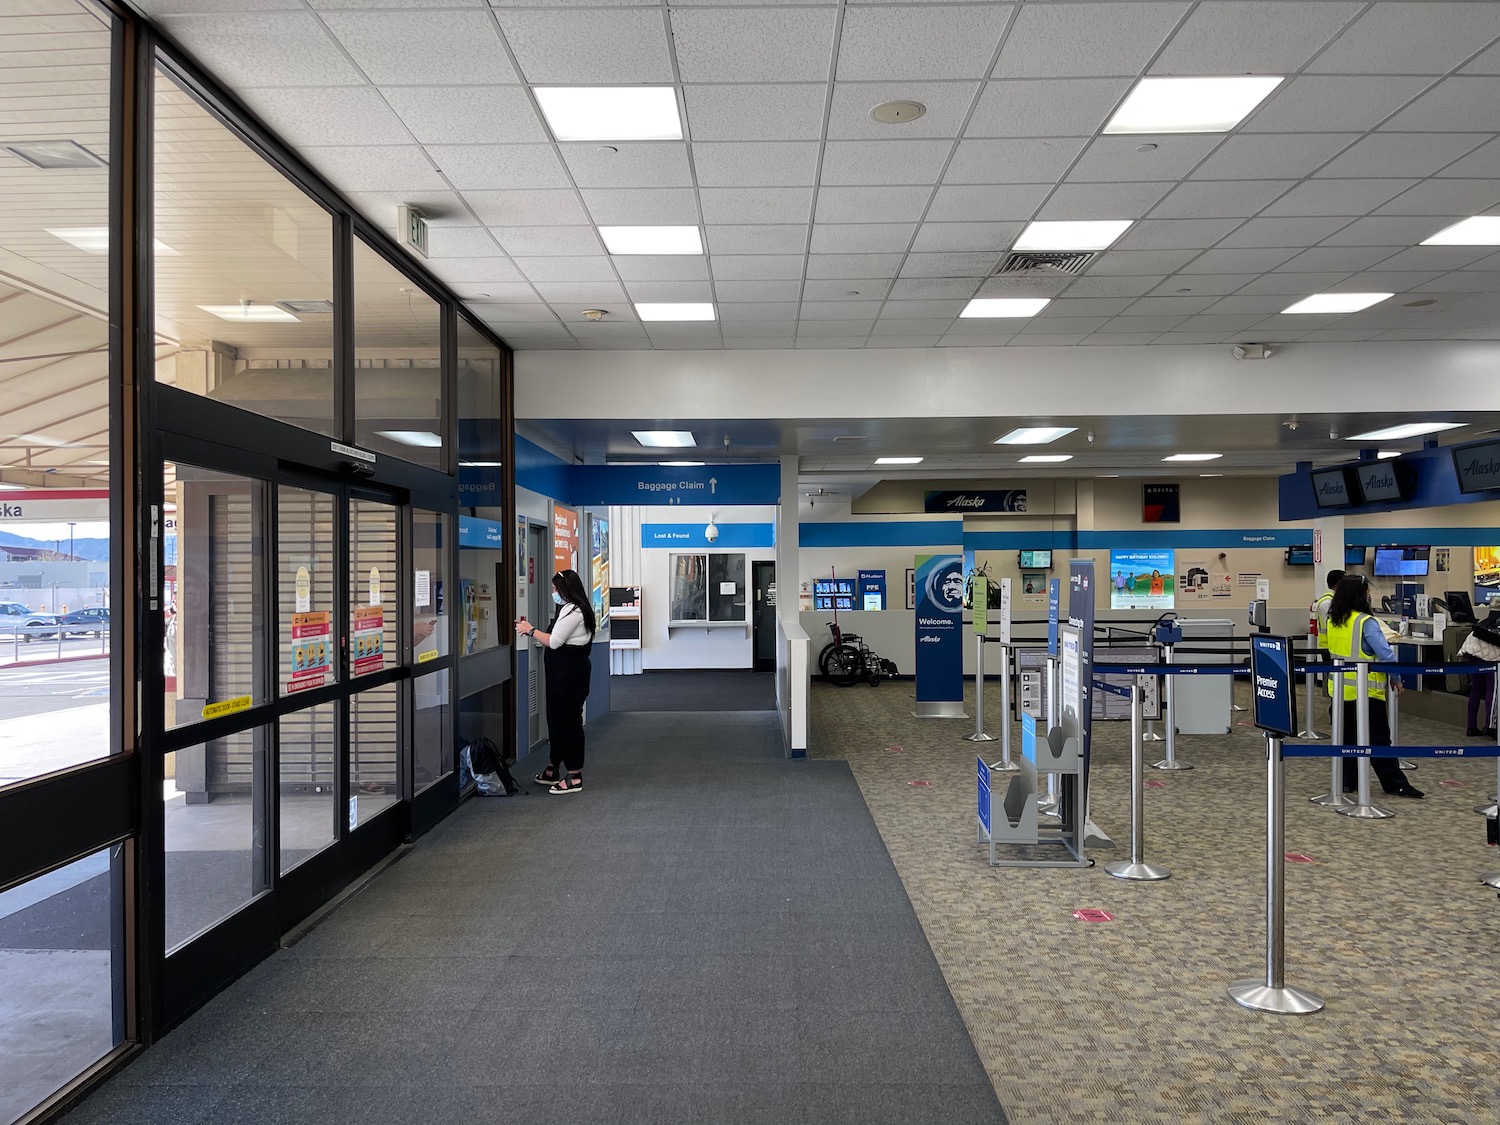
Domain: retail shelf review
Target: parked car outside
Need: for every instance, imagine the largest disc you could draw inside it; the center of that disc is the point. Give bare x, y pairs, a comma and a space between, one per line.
18, 621
91, 622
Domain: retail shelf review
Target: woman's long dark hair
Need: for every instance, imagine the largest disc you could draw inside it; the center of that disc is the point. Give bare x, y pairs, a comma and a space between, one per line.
570, 586
1350, 596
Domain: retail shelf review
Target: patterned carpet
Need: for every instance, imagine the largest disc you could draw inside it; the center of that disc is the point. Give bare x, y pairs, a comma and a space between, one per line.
1128, 1021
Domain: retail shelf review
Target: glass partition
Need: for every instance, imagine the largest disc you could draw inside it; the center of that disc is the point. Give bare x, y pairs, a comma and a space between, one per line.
483, 535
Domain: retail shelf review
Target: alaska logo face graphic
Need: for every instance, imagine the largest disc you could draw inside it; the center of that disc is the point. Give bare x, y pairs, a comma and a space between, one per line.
1009, 500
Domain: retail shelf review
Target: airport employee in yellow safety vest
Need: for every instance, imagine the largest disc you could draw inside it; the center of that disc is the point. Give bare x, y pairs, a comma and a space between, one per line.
1320, 606
1355, 634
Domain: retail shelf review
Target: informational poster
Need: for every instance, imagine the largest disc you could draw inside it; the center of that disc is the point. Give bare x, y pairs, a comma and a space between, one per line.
1442, 560
599, 567
422, 589
367, 639
1033, 587
1141, 579
939, 634
1486, 574
1246, 581
302, 584
311, 651
1192, 580
1160, 503
564, 539
374, 585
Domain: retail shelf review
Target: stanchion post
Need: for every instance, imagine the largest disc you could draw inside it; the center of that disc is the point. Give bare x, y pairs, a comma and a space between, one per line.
1493, 881
1334, 798
1273, 994
1393, 720
1051, 804
1006, 765
1169, 717
1364, 808
1136, 868
1309, 729
979, 735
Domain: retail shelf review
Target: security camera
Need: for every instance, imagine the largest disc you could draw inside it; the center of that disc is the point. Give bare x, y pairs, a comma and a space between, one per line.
711, 532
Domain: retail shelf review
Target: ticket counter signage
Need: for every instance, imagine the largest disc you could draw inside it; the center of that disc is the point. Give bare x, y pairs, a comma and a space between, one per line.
1273, 691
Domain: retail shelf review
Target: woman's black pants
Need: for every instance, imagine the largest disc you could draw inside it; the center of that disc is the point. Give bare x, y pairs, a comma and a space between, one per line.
1388, 770
568, 673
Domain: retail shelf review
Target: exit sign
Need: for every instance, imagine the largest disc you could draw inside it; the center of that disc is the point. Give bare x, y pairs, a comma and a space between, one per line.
411, 229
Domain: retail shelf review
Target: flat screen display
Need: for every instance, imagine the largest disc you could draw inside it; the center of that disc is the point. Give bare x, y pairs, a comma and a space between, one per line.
1383, 482
1331, 488
1354, 556
1299, 556
1401, 562
1478, 466
1036, 560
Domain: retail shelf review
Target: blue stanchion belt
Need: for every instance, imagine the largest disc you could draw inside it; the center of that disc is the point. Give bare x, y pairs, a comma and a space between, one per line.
1104, 668
1113, 689
1318, 750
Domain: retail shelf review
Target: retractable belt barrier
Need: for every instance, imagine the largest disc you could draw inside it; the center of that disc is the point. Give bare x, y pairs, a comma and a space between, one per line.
1113, 689
1353, 750
1135, 869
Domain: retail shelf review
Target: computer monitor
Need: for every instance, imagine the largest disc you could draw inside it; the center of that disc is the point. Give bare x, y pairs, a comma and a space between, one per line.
1036, 560
1401, 562
1460, 609
1331, 488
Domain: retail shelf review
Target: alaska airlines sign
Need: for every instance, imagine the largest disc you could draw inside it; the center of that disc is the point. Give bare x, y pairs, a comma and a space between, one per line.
1478, 466
1008, 500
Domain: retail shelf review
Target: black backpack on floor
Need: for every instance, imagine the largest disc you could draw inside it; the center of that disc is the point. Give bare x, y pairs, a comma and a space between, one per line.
486, 761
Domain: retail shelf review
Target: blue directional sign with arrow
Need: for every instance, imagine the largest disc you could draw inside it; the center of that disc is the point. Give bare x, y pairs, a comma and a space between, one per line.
661, 484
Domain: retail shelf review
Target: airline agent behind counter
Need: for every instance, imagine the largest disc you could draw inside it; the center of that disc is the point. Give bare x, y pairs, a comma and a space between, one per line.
566, 644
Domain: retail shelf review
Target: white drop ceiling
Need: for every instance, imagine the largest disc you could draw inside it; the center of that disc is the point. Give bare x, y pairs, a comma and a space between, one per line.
825, 229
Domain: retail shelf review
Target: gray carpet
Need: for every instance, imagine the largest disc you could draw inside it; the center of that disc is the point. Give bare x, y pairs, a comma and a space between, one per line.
694, 690
705, 934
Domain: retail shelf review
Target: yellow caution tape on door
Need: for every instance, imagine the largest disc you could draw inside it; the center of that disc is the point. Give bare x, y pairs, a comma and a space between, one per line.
227, 707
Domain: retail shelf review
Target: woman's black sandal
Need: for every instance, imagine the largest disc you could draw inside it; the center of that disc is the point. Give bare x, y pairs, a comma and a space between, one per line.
570, 784
547, 777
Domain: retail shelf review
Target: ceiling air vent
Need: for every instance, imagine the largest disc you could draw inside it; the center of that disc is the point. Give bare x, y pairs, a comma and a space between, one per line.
1065, 262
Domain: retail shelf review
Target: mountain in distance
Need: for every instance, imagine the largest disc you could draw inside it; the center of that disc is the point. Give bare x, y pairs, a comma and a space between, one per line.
95, 550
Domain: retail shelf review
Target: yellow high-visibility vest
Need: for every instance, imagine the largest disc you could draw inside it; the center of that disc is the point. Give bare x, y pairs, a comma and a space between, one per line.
1320, 608
1347, 640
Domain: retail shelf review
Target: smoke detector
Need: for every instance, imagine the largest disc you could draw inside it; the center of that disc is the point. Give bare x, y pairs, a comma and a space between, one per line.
897, 113
595, 315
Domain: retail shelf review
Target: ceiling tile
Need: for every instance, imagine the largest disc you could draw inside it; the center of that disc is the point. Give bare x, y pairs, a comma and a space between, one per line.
630, 166
1451, 197
337, 115
1272, 156
852, 266
1435, 258
834, 326
756, 164
1175, 234
1023, 285
1402, 154
659, 267
1107, 284
588, 47
947, 104
1055, 107
1115, 263
1174, 306
638, 206
362, 168
884, 162
467, 114
1331, 259
1179, 338
939, 237
1144, 323
880, 43
759, 310
1384, 230
499, 293
754, 44
530, 313
567, 269
1312, 104
1068, 40
934, 288
669, 290
789, 289
1203, 284
1251, 37
1411, 38
901, 341
1213, 199
768, 239
758, 344
813, 290
1261, 305
922, 310
871, 204
1337, 197
1110, 159
500, 166
1079, 324
1483, 161
248, 49
959, 340
1335, 336
460, 271
1222, 323
1101, 201
756, 205
440, 207
527, 208
1085, 306
424, 48
756, 267
755, 113
957, 264
1285, 232
755, 329
1041, 160
1387, 281
1237, 261
907, 326
1119, 339
1006, 202
1291, 284
1456, 281
862, 238
1456, 103
591, 294
830, 342
549, 241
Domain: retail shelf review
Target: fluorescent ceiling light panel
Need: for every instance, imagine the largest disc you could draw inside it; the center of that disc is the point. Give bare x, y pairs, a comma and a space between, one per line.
6, 487
421, 438
1191, 105
680, 464
1206, 476
54, 155
95, 240
665, 439
611, 113
1332, 303
1035, 435
1387, 454
481, 464
1193, 457
675, 310
651, 240
987, 307
898, 460
1407, 430
1481, 230
1081, 234
257, 313
1045, 458
41, 439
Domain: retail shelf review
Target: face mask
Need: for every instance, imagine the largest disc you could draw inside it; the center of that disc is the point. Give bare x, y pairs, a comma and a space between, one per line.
557, 598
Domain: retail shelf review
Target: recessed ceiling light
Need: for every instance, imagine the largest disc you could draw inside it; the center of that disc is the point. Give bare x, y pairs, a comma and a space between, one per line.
1193, 457
1088, 234
1387, 454
898, 460
665, 439
651, 240
1407, 430
1045, 458
680, 464
1034, 435
1004, 307
611, 113
1481, 230
1209, 476
259, 313
54, 155
95, 240
422, 438
679, 310
1337, 302
1107, 476
480, 464
1191, 105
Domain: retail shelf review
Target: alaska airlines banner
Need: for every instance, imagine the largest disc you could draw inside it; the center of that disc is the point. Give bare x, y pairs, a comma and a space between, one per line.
940, 622
1009, 500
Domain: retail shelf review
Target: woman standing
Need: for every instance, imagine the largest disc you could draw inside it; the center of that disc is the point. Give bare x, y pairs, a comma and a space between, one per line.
565, 656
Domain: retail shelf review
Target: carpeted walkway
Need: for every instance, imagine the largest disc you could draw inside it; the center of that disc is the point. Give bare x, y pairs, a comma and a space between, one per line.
706, 934
694, 690
1128, 1021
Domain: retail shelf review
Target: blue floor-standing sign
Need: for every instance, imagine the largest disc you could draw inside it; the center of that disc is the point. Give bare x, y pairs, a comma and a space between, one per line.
939, 629
1054, 609
1275, 696
984, 794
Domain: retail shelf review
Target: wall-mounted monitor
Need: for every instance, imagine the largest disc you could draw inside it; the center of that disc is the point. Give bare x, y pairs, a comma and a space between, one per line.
1354, 556
1384, 482
1478, 466
1331, 488
1036, 560
1299, 556
1401, 562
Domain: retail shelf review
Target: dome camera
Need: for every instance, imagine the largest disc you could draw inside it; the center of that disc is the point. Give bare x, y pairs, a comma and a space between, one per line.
711, 532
